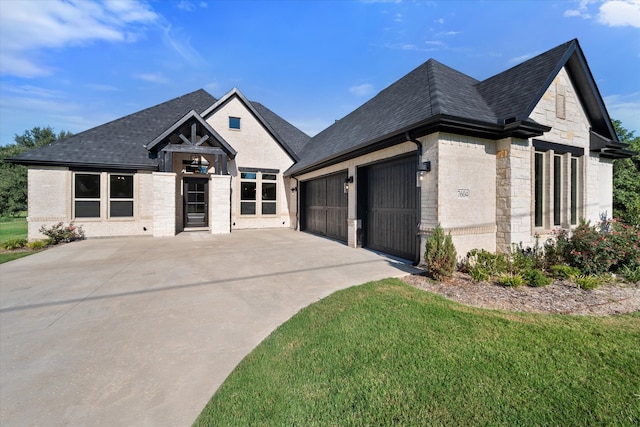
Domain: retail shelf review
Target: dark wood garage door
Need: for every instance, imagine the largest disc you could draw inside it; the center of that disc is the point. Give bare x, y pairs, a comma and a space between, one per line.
324, 206
389, 207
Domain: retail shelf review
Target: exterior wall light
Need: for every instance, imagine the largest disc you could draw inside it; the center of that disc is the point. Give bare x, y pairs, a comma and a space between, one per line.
423, 168
347, 181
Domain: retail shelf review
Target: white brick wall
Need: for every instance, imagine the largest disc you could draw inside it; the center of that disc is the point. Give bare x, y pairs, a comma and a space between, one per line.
49, 197
220, 204
164, 204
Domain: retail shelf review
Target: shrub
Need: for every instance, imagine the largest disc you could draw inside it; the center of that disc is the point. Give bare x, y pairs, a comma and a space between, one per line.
631, 274
588, 282
479, 273
37, 244
440, 254
511, 280
522, 259
596, 250
536, 278
563, 272
60, 233
492, 264
12, 244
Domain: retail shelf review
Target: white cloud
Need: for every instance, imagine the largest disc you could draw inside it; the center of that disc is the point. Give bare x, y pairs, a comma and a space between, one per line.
582, 11
361, 90
27, 27
614, 13
522, 58
175, 39
619, 13
186, 5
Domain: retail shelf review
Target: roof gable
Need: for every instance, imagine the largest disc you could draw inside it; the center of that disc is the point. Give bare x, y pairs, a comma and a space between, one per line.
199, 126
290, 138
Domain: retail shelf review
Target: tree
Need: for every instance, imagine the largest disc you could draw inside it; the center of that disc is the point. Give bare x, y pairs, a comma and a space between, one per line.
13, 178
626, 179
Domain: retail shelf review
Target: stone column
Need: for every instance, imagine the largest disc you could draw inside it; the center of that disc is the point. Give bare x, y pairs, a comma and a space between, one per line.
220, 204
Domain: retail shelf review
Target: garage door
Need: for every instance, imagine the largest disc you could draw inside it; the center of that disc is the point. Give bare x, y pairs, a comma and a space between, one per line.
389, 207
324, 206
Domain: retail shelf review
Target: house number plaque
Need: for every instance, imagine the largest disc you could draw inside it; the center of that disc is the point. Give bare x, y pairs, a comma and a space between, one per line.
464, 193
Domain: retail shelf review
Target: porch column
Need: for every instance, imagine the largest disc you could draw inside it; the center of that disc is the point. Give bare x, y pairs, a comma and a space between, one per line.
220, 204
164, 204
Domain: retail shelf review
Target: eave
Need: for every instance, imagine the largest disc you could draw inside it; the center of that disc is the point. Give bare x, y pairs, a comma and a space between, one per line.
102, 166
439, 123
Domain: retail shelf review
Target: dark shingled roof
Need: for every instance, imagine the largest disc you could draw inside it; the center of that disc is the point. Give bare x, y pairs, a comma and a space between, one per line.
120, 144
290, 135
436, 97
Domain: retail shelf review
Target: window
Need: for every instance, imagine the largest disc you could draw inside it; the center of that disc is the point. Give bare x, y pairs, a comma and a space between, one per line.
538, 189
258, 193
269, 194
87, 195
234, 123
120, 195
248, 185
556, 188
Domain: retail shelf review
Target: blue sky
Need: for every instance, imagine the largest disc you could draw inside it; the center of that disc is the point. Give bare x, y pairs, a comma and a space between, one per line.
73, 64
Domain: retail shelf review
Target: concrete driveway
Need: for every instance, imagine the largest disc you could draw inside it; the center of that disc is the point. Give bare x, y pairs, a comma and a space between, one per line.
142, 331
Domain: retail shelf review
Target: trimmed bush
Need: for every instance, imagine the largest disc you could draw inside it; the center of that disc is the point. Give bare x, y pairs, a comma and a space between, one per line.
60, 233
37, 244
536, 278
492, 264
440, 254
511, 280
13, 244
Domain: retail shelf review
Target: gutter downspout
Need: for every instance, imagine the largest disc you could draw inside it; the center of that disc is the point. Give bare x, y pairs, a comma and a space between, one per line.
419, 196
297, 203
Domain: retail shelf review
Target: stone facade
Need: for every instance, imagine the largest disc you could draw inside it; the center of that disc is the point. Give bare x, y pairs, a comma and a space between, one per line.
164, 204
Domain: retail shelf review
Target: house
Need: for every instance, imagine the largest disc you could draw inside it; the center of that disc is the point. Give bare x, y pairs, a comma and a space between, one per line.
495, 162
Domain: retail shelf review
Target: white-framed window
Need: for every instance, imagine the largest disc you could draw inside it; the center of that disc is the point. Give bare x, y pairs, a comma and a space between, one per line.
258, 192
557, 186
93, 190
86, 193
234, 123
120, 195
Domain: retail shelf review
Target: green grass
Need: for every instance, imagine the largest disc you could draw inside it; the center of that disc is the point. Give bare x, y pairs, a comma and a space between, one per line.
13, 228
385, 353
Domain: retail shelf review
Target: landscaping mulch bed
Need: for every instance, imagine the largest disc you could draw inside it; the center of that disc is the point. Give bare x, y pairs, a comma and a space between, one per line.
561, 297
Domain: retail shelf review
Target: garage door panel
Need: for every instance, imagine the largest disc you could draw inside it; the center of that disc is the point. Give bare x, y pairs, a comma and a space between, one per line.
325, 206
391, 213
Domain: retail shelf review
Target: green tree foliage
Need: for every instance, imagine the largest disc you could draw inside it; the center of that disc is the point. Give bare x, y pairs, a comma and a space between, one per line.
13, 178
626, 179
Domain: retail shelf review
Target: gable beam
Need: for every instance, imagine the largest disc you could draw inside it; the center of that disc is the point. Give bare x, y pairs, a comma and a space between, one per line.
184, 139
193, 133
203, 139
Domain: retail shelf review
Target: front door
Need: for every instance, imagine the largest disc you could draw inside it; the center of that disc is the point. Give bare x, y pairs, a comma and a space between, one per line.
195, 202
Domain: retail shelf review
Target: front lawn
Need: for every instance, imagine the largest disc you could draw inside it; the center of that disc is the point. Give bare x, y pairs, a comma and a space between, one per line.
12, 228
386, 353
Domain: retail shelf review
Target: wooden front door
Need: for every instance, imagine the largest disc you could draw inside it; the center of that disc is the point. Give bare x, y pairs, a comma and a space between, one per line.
196, 195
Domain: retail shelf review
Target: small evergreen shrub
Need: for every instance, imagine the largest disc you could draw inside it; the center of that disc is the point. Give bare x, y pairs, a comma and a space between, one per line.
563, 272
60, 233
511, 280
536, 278
440, 254
522, 259
588, 282
13, 244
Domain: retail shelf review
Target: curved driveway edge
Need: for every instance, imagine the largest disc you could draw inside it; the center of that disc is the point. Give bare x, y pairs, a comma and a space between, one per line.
142, 331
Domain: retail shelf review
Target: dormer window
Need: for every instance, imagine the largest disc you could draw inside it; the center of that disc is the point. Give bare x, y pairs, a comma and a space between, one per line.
234, 123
